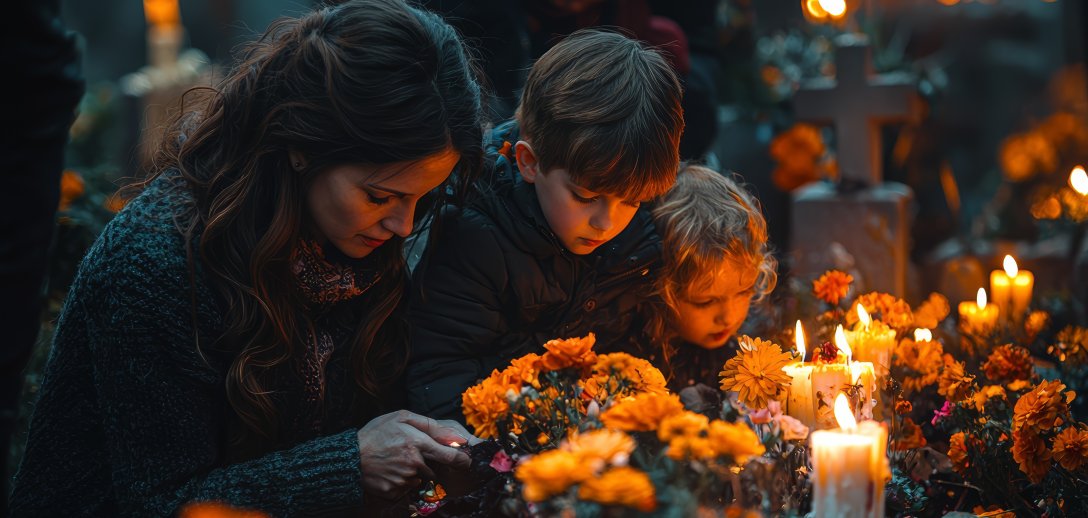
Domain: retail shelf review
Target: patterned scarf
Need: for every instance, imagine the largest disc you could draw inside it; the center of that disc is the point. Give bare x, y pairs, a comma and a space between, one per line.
323, 283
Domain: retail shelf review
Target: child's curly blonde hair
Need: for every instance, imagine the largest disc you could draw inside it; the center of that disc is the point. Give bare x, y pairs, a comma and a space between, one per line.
709, 225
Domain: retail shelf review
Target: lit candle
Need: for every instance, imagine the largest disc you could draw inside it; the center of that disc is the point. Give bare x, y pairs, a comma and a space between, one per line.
1011, 289
850, 466
978, 316
164, 33
923, 335
1078, 180
814, 385
872, 342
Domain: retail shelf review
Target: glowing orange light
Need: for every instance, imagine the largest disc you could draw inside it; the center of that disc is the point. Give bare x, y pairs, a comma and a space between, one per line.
799, 339
980, 299
840, 342
1010, 266
843, 414
1078, 179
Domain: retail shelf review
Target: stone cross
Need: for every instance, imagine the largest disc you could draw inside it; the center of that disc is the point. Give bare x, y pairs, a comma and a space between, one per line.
856, 103
865, 232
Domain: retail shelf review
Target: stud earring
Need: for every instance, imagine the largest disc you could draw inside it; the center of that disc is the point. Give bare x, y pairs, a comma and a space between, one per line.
298, 165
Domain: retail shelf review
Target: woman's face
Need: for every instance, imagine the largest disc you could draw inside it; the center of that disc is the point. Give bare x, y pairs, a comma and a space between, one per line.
711, 312
358, 207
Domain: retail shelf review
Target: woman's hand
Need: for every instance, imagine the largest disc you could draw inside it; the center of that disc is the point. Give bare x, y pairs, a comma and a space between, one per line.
394, 450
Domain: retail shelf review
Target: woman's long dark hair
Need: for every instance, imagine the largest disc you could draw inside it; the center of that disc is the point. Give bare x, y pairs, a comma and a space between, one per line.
367, 81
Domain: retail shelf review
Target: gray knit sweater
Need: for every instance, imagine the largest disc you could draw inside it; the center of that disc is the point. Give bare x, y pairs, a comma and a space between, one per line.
129, 419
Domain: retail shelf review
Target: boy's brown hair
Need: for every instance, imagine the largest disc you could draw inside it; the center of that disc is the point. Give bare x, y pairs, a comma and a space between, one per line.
607, 109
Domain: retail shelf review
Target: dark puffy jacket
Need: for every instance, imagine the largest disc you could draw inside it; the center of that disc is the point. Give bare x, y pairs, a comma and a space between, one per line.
496, 284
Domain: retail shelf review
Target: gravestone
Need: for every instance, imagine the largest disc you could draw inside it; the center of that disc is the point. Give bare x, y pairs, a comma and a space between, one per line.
860, 213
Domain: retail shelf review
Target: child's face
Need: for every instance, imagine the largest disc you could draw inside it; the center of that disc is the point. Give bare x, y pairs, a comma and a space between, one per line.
582, 219
711, 312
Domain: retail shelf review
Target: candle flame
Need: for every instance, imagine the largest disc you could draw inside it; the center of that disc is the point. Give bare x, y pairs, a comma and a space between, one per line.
1010, 266
162, 13
799, 339
835, 8
863, 316
843, 414
980, 299
840, 342
923, 335
1078, 179
455, 444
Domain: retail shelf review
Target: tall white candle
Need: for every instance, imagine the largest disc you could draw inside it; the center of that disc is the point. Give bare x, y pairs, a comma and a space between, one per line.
850, 467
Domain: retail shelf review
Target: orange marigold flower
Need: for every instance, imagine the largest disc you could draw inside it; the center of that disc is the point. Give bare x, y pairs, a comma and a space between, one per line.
571, 352
889, 309
641, 413
551, 473
832, 286
734, 440
524, 370
903, 407
931, 312
1072, 346
625, 486
1071, 448
603, 444
686, 434
910, 436
1029, 450
114, 202
217, 510
985, 394
756, 372
1008, 363
486, 402
923, 359
72, 187
1043, 408
620, 374
957, 453
954, 383
1035, 323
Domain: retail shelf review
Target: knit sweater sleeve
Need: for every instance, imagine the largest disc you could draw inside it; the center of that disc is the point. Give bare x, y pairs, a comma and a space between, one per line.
159, 403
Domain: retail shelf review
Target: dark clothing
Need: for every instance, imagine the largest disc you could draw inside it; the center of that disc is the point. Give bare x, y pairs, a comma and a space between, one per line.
44, 82
496, 284
131, 417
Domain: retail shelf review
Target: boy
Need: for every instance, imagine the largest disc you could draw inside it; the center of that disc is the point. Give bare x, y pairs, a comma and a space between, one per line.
558, 247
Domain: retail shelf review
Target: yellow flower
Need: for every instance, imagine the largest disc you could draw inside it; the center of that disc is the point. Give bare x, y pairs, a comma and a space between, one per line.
686, 434
1043, 408
980, 397
1071, 448
485, 403
887, 308
624, 486
756, 372
571, 352
603, 444
832, 286
1008, 363
1029, 450
217, 510
734, 440
931, 312
954, 383
641, 413
551, 473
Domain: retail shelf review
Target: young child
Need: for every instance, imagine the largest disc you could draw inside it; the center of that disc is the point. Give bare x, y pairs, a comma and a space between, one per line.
558, 247
715, 263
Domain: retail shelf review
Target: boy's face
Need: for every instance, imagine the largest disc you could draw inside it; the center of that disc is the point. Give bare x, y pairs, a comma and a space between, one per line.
582, 219
711, 312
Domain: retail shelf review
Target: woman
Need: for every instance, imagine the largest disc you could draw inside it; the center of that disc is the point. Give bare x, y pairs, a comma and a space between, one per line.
234, 327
